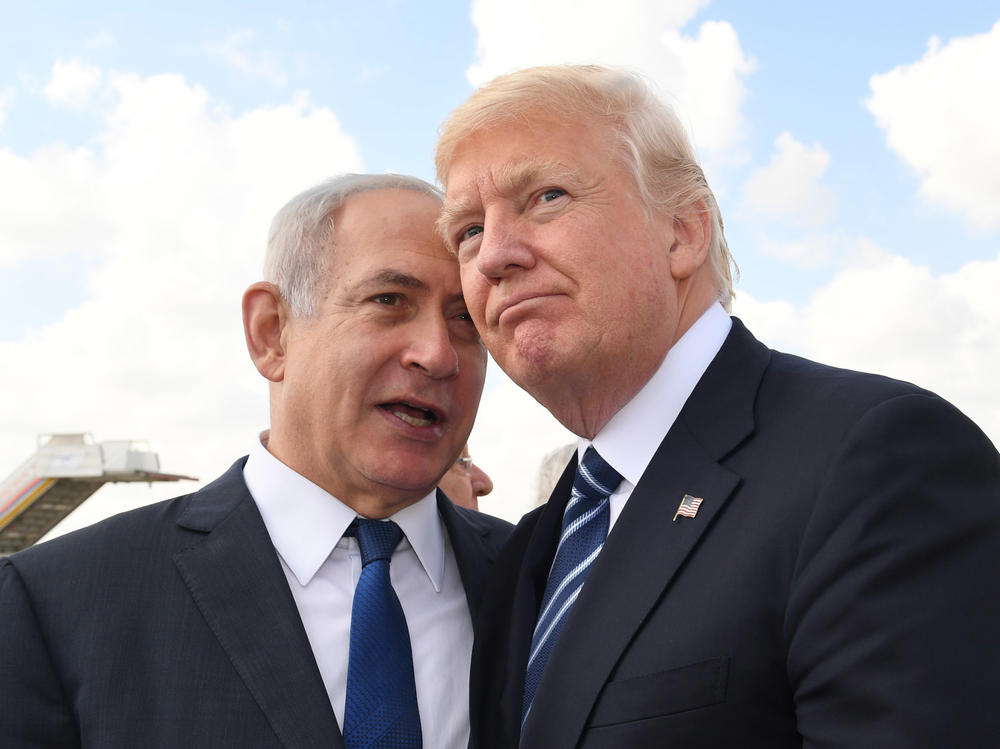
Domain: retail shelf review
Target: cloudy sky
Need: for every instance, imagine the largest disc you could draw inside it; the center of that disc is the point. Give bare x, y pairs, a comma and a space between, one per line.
143, 152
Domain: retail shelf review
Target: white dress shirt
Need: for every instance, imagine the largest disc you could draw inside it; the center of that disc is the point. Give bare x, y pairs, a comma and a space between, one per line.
306, 525
627, 442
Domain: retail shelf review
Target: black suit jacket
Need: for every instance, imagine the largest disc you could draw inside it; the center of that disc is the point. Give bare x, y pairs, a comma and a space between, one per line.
837, 587
173, 626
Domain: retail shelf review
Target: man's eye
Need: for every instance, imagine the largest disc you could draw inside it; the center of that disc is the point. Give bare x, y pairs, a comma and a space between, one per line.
390, 299
469, 233
551, 194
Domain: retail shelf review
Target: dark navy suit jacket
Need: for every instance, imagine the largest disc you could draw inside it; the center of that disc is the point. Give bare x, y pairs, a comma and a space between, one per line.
173, 626
837, 587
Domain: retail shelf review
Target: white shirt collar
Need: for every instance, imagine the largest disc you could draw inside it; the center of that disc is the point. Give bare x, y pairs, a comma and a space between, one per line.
305, 522
629, 440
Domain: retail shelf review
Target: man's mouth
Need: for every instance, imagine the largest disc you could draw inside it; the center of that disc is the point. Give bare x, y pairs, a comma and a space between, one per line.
517, 300
412, 415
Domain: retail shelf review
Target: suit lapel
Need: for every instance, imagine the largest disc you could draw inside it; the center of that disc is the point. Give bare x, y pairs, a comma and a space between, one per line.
236, 581
474, 552
621, 591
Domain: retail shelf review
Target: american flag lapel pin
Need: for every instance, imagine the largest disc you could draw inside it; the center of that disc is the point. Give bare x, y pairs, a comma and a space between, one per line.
688, 507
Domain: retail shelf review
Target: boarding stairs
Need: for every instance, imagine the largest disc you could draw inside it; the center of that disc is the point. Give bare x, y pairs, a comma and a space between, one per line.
63, 472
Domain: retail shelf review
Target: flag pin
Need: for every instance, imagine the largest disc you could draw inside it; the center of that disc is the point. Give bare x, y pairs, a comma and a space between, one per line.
688, 507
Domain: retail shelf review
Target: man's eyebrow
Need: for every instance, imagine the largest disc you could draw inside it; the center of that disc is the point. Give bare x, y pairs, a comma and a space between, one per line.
452, 211
508, 180
392, 277
511, 178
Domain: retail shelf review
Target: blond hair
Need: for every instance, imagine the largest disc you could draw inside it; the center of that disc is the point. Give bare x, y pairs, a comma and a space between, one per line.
652, 143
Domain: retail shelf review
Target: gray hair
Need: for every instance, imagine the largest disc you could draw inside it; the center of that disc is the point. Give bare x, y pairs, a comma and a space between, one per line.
300, 241
652, 143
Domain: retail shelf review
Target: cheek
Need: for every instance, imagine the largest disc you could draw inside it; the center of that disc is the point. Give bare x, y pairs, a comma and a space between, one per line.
472, 365
475, 290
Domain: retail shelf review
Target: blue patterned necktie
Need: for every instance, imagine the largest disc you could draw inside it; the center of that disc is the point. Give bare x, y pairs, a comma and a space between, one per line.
584, 529
381, 707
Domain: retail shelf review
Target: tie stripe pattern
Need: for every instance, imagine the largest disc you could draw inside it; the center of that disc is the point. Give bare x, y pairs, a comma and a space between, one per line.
584, 529
381, 707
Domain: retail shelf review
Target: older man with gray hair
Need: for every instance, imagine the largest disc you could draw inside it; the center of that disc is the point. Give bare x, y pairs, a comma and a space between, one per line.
321, 592
749, 549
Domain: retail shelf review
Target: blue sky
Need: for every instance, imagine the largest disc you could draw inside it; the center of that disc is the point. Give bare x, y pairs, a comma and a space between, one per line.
143, 151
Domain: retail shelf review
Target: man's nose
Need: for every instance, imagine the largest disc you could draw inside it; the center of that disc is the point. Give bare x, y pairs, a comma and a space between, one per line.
431, 349
504, 248
482, 484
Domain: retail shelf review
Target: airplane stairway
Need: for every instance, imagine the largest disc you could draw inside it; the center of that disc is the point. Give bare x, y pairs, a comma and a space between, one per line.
64, 471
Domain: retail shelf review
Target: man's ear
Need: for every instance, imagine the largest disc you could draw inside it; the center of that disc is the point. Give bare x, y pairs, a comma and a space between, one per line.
264, 318
692, 236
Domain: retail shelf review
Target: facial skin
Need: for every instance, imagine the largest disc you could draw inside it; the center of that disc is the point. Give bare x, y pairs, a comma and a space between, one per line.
465, 482
373, 398
577, 293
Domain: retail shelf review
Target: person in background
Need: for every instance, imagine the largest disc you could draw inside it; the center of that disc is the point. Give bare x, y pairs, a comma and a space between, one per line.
321, 592
465, 482
551, 469
749, 549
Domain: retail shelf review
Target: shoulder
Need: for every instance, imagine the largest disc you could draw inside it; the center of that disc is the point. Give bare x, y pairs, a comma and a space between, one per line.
742, 354
105, 542
803, 393
492, 530
111, 545
813, 419
795, 389
484, 523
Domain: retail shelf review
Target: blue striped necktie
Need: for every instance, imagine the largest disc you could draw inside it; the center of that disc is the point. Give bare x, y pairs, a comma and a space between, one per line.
584, 529
381, 707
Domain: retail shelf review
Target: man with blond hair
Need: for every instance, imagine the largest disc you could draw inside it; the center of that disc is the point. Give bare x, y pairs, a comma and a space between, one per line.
749, 549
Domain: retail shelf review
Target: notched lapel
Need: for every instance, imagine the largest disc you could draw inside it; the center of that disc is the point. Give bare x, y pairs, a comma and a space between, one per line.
236, 581
474, 550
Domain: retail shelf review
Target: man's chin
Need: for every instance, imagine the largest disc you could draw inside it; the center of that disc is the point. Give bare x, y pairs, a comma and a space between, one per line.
401, 483
530, 354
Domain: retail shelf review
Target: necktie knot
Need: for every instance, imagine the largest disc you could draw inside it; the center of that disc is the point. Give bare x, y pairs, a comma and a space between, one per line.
377, 539
595, 479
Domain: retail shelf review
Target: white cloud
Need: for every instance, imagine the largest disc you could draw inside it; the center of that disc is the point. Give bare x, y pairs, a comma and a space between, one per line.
72, 83
101, 40
939, 115
56, 181
894, 317
702, 75
173, 205
787, 197
789, 187
235, 50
